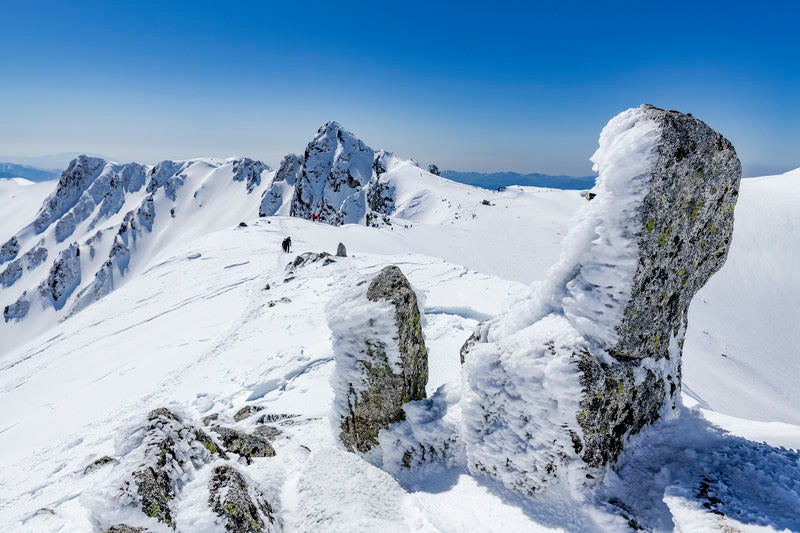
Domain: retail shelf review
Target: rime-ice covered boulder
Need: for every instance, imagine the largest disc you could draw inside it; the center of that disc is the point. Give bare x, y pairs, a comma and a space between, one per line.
556, 385
381, 359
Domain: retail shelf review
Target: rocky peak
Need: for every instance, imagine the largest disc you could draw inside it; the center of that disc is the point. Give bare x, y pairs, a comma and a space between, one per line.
336, 168
78, 176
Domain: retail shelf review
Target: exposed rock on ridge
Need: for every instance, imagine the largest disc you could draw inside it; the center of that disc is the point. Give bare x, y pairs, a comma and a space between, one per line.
381, 359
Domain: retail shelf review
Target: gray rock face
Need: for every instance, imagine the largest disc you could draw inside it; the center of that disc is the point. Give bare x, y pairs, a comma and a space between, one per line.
241, 506
381, 359
246, 412
686, 224
65, 275
9, 250
341, 251
80, 173
336, 168
305, 259
29, 261
433, 169
391, 285
249, 171
18, 309
124, 528
611, 332
248, 446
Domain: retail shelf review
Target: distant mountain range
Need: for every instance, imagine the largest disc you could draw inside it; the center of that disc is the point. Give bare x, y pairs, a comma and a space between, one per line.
493, 180
13, 170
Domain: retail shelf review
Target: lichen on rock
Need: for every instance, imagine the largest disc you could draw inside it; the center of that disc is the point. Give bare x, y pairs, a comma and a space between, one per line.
241, 506
243, 444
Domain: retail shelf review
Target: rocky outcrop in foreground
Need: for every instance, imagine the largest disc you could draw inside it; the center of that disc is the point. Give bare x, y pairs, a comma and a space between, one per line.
158, 462
381, 359
557, 384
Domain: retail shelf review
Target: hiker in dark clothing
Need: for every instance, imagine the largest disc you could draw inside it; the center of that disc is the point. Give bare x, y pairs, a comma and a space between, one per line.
287, 244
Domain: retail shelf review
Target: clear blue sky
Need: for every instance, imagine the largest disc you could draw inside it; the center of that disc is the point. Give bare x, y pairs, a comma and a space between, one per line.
523, 86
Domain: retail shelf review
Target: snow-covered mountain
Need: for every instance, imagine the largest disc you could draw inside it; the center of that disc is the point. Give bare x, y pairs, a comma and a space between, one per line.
105, 222
208, 319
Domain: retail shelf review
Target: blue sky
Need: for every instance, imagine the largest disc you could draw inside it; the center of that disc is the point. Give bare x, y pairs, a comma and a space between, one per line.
522, 86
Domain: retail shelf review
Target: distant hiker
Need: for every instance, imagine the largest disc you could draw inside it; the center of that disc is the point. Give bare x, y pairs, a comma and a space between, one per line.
287, 244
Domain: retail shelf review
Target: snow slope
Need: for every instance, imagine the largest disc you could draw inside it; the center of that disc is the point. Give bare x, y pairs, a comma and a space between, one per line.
742, 345
195, 330
21, 200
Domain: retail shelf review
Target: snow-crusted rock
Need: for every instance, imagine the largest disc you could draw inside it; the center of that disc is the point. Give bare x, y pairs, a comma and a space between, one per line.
29, 261
336, 168
240, 505
338, 179
380, 354
9, 250
157, 460
557, 384
64, 277
74, 181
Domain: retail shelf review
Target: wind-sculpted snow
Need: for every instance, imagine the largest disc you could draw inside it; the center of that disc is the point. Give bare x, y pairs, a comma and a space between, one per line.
558, 383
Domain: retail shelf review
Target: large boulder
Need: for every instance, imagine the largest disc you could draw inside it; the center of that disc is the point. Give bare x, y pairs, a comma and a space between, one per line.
381, 359
557, 384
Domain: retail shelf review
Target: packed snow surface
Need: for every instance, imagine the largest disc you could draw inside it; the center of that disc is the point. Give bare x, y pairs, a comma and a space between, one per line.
196, 330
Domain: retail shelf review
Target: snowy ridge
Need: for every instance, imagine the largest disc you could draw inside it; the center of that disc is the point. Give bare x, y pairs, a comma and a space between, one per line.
204, 319
105, 220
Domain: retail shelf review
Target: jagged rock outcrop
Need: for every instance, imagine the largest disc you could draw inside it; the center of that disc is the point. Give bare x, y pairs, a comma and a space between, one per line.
80, 173
29, 261
433, 169
19, 309
170, 450
9, 250
338, 179
557, 384
381, 358
240, 505
246, 412
240, 443
249, 171
341, 251
336, 167
64, 277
